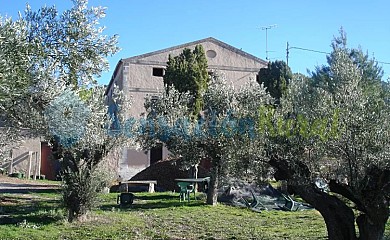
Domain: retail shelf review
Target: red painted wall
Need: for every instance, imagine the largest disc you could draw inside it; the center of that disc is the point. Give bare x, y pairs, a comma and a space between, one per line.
47, 164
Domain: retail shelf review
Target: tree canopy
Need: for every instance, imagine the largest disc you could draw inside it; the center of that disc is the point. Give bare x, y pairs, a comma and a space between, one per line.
188, 72
275, 78
371, 71
49, 88
332, 126
227, 118
344, 104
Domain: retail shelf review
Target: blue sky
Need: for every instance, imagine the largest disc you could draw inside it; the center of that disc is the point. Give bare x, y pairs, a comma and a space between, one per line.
146, 26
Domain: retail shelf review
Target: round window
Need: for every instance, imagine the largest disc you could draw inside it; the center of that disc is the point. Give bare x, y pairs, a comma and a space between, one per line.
211, 54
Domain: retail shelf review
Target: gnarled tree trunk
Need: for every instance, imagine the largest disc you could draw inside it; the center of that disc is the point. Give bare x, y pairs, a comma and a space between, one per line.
339, 218
371, 229
369, 196
372, 222
375, 203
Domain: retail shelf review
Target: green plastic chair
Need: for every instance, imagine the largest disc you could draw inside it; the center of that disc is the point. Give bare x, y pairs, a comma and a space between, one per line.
186, 189
290, 204
256, 205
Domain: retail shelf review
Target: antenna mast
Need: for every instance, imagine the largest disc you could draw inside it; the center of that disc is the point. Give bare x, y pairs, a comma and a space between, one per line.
287, 53
266, 38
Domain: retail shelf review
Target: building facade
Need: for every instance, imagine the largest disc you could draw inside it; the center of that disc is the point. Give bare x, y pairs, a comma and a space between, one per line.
30, 157
142, 76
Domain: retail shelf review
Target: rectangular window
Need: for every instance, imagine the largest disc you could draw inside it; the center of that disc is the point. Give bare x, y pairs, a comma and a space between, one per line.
156, 153
158, 72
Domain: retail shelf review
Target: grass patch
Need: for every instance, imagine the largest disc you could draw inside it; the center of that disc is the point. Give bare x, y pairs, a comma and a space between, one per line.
152, 216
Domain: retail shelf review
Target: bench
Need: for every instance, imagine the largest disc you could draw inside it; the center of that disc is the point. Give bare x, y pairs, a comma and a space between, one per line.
149, 183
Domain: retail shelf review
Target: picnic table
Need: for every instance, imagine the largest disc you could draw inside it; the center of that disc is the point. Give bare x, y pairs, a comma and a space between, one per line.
194, 180
188, 185
149, 183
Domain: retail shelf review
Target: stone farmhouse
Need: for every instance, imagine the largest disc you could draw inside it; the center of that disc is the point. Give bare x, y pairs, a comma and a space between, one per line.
142, 76
32, 158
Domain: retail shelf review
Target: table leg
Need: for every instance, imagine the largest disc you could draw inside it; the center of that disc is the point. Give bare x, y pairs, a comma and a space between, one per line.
151, 187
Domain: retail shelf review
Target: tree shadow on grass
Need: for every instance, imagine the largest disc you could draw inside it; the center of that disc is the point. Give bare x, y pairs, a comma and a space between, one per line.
152, 202
28, 191
156, 197
163, 204
36, 220
15, 209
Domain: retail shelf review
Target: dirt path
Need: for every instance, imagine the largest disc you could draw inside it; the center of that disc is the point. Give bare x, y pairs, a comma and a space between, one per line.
15, 185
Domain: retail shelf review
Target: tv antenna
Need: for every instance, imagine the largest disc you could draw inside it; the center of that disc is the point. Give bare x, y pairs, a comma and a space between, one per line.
266, 38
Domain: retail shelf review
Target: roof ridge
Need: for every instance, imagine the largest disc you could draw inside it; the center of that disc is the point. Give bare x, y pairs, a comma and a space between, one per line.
166, 49
211, 39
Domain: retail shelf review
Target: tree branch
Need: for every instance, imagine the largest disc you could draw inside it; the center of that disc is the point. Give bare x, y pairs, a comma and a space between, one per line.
345, 191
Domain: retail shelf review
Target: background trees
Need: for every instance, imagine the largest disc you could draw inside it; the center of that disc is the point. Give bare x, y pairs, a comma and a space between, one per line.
361, 151
333, 125
228, 118
372, 73
275, 78
191, 139
352, 157
188, 73
14, 80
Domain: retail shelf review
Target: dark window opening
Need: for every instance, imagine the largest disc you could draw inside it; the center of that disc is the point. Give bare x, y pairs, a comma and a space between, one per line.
156, 153
158, 72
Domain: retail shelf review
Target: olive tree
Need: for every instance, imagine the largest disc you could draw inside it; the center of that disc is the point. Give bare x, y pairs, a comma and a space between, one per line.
78, 124
170, 122
362, 170
14, 80
61, 101
247, 142
215, 133
338, 131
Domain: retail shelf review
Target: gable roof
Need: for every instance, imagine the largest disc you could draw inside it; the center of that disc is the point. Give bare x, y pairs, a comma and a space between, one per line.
185, 45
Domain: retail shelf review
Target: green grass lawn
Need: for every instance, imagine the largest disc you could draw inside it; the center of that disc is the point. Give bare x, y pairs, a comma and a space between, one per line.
152, 216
